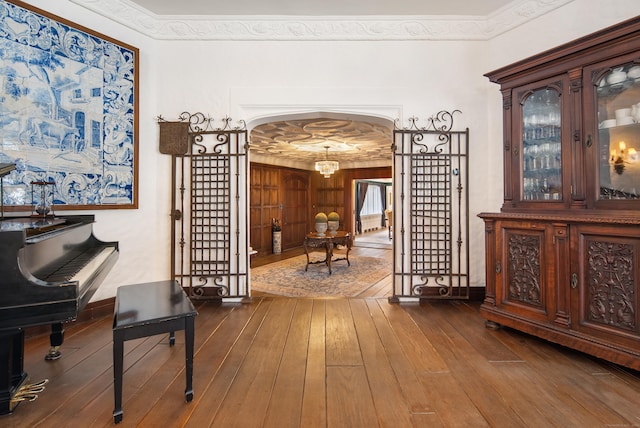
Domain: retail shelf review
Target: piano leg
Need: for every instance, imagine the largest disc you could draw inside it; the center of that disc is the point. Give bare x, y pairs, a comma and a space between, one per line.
55, 340
12, 376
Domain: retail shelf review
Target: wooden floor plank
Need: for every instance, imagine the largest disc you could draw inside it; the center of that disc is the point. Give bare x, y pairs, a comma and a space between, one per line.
416, 346
543, 394
451, 404
342, 348
285, 405
378, 290
345, 408
146, 374
262, 362
592, 387
431, 420
527, 400
390, 404
412, 390
471, 370
476, 334
314, 404
67, 373
503, 392
272, 360
233, 340
209, 320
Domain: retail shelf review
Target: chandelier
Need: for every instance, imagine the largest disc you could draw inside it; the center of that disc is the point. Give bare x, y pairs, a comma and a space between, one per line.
327, 167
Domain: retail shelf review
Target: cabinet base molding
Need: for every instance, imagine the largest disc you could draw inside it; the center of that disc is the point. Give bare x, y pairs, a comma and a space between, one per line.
571, 339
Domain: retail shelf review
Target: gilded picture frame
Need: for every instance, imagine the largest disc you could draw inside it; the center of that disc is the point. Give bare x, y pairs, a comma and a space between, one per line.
68, 112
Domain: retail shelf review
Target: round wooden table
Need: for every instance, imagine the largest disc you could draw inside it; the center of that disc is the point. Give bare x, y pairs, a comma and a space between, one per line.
328, 241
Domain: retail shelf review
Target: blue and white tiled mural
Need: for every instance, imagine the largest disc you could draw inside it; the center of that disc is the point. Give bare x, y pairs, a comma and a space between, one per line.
67, 101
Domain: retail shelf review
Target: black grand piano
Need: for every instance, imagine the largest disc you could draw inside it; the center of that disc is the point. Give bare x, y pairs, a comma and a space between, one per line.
49, 269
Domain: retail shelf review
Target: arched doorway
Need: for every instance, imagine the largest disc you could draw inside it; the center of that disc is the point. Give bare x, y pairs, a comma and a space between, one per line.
288, 146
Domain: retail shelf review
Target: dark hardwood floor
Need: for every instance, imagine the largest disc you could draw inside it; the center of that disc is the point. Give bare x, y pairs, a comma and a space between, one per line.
359, 362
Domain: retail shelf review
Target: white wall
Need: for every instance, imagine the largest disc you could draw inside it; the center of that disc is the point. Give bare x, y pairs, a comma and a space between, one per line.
143, 233
247, 80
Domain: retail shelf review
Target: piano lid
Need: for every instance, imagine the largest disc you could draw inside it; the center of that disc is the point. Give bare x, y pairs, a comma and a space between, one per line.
24, 223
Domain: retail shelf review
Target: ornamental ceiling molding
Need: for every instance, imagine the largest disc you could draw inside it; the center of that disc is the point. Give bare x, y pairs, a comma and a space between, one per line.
300, 28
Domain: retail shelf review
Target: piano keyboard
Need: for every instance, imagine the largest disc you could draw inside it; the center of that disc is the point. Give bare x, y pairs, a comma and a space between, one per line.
89, 268
81, 267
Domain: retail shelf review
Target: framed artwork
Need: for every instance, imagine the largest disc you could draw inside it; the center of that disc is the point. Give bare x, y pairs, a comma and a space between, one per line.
68, 113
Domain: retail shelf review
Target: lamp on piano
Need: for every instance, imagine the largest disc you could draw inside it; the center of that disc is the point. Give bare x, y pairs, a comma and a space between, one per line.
44, 207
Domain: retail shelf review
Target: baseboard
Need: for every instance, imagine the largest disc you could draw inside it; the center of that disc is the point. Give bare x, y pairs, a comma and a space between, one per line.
102, 308
93, 310
476, 294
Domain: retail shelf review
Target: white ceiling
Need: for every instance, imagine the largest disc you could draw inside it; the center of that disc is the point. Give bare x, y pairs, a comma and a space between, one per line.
323, 7
354, 142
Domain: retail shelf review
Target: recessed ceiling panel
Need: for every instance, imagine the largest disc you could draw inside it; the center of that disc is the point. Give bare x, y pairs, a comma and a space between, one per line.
351, 142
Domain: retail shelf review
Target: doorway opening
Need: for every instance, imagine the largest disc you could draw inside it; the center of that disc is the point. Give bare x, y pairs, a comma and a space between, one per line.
280, 147
372, 199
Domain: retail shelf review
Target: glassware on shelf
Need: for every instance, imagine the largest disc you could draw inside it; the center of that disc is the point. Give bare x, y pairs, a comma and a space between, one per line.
542, 149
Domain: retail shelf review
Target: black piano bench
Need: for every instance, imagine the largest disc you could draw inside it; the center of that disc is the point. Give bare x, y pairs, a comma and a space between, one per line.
143, 310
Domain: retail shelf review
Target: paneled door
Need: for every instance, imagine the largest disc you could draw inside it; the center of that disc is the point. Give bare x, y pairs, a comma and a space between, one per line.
295, 204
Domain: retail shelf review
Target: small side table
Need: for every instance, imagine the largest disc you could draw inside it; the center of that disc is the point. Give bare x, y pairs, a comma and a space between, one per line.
148, 309
327, 241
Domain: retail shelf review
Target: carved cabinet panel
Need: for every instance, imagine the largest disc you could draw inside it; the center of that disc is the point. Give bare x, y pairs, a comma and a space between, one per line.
606, 297
531, 277
524, 285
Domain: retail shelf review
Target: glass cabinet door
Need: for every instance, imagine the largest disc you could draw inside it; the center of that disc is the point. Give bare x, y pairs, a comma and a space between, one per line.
618, 141
541, 146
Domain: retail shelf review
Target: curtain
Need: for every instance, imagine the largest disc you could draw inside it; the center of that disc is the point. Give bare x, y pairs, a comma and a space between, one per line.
361, 192
383, 198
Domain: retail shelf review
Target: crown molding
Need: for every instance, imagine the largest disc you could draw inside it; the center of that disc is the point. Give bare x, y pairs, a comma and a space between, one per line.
301, 28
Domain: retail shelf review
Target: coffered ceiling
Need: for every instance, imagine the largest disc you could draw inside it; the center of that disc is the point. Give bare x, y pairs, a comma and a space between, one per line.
355, 143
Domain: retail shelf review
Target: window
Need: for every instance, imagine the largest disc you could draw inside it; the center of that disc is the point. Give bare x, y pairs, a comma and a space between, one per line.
372, 201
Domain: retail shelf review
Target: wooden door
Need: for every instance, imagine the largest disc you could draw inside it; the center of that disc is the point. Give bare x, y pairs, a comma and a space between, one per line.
295, 203
604, 289
526, 286
264, 205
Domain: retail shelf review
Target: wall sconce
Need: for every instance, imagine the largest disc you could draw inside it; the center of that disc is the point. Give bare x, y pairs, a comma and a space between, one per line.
327, 167
624, 154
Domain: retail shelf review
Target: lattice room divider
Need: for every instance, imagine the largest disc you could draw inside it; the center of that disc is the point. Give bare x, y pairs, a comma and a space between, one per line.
209, 202
431, 210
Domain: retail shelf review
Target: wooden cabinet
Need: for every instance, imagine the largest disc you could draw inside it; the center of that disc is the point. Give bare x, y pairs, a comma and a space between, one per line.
563, 254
